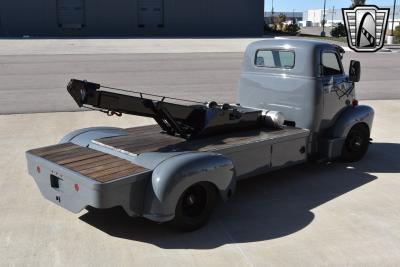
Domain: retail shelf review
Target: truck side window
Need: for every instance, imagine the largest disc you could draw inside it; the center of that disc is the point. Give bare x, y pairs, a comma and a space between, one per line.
274, 59
331, 64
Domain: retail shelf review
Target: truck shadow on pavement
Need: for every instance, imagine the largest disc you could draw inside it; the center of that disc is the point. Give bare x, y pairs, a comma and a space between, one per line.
264, 207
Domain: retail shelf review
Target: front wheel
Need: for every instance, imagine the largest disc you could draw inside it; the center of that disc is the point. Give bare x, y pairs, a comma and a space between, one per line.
194, 207
356, 144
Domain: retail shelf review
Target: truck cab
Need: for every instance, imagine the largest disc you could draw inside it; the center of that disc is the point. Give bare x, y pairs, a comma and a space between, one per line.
306, 82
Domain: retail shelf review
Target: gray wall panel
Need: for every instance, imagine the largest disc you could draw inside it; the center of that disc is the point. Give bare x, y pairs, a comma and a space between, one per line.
105, 18
110, 18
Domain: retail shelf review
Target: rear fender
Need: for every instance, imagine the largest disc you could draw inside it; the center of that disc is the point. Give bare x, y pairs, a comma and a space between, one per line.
173, 176
83, 137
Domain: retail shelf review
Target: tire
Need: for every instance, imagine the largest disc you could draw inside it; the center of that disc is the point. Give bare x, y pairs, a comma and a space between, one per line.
194, 207
356, 144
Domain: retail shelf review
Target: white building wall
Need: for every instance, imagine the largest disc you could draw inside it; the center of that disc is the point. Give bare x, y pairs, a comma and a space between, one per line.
316, 16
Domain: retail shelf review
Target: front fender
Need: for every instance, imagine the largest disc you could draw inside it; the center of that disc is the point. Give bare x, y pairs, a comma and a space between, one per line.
173, 176
82, 137
349, 117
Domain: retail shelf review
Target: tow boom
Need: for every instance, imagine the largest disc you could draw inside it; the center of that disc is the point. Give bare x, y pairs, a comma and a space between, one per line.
188, 121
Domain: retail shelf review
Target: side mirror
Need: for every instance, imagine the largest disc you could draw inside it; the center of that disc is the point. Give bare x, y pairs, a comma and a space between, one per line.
355, 71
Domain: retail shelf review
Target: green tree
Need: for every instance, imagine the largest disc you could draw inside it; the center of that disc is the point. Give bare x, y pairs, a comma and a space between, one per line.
357, 3
338, 31
397, 31
293, 28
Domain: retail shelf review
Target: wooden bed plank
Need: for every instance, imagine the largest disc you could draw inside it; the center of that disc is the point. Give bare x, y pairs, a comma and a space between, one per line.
70, 153
52, 149
118, 169
102, 167
141, 132
150, 145
117, 141
79, 158
145, 129
79, 154
94, 163
86, 162
60, 152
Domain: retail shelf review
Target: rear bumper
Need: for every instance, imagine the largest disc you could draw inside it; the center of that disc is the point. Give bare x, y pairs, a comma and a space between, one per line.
74, 191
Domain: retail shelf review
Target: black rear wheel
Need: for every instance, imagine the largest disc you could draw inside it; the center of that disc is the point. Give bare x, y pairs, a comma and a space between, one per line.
356, 144
195, 206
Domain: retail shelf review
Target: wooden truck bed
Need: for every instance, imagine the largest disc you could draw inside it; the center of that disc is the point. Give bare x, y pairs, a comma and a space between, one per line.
88, 162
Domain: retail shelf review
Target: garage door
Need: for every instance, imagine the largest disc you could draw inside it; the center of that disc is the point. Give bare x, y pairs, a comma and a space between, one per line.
1, 28
151, 13
71, 13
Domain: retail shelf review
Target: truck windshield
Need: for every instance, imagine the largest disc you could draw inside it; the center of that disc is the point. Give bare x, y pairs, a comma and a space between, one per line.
275, 59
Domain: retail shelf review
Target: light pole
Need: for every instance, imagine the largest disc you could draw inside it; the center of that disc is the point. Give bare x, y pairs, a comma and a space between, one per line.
323, 21
293, 22
333, 13
272, 13
390, 38
394, 11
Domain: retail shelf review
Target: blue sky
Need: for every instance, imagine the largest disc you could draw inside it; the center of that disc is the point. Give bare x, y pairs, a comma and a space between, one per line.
302, 5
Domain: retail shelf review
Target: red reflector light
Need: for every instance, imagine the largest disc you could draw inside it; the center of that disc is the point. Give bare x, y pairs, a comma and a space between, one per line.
355, 102
76, 186
38, 169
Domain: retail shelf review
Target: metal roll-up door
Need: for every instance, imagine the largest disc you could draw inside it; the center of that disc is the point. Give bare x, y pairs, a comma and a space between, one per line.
2, 32
71, 13
151, 13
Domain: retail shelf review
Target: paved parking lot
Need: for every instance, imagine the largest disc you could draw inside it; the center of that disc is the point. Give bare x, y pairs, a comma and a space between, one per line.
312, 215
35, 82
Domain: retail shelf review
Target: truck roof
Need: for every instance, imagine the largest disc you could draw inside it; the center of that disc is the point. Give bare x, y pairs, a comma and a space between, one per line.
306, 55
296, 43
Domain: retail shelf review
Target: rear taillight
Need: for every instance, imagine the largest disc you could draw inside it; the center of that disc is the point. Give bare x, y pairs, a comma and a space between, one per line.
355, 102
38, 169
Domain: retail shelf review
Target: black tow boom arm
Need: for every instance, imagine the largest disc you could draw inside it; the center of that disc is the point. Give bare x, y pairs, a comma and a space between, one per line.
187, 121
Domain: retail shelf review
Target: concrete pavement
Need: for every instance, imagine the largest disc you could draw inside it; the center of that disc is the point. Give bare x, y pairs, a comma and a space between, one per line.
38, 83
311, 215
316, 30
121, 46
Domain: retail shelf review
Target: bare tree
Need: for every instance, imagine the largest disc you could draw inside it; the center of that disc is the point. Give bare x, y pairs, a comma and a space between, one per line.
280, 20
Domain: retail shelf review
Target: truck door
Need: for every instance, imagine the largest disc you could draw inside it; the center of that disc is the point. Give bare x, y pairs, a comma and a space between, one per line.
336, 89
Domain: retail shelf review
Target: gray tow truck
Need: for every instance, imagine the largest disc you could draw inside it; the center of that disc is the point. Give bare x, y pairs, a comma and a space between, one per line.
296, 104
